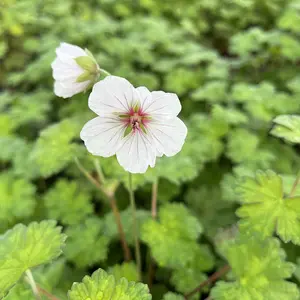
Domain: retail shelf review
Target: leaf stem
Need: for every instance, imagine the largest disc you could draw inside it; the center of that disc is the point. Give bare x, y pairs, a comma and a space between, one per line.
296, 182
214, 277
135, 229
32, 284
112, 202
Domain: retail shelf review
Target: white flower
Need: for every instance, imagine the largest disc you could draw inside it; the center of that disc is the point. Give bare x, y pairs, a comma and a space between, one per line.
74, 70
133, 123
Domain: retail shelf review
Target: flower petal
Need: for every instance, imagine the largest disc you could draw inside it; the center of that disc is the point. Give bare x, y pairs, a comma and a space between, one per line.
70, 50
145, 96
162, 105
113, 95
136, 153
167, 135
61, 89
63, 71
102, 136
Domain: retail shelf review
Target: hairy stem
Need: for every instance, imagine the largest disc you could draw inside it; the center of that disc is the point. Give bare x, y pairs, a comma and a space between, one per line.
114, 207
214, 277
32, 284
151, 269
47, 294
135, 229
154, 199
112, 202
296, 182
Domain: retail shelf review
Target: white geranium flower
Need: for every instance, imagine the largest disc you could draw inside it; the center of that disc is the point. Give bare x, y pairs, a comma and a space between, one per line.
74, 70
133, 123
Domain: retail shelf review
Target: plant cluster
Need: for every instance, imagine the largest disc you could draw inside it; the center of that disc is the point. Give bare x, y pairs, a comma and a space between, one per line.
220, 220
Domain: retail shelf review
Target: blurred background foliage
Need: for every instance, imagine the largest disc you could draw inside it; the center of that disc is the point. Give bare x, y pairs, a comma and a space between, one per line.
234, 65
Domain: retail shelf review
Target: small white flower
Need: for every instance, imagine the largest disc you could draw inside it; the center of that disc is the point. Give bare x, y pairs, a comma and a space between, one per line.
133, 123
74, 70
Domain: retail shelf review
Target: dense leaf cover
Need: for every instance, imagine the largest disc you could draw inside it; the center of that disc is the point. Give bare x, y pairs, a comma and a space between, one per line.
235, 67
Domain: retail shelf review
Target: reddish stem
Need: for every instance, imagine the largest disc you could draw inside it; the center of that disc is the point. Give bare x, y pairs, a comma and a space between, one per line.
214, 277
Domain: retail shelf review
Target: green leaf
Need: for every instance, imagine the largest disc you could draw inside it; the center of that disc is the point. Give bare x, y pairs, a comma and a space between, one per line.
242, 145
287, 127
127, 270
266, 210
22, 248
83, 254
214, 91
229, 115
172, 296
20, 292
54, 148
101, 286
261, 276
182, 80
17, 199
172, 239
213, 212
68, 202
187, 278
290, 20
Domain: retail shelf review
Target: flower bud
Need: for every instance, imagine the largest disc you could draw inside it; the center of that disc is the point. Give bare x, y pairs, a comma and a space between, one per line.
74, 70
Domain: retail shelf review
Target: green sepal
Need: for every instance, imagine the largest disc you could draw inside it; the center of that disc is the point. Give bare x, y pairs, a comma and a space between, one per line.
143, 128
127, 131
89, 53
87, 63
85, 77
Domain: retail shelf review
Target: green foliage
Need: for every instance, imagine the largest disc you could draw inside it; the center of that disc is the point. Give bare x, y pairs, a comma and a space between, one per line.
172, 296
265, 209
287, 127
186, 279
22, 248
67, 202
86, 243
261, 276
101, 286
172, 239
213, 212
126, 270
110, 227
238, 150
233, 64
54, 148
17, 199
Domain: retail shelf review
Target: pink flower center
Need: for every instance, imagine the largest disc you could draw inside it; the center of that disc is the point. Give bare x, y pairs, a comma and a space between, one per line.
135, 120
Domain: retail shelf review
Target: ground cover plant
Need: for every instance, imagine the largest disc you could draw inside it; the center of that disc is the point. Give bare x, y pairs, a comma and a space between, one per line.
211, 212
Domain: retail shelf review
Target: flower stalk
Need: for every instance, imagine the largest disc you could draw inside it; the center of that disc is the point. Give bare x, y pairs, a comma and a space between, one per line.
102, 71
154, 199
151, 270
135, 229
112, 201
